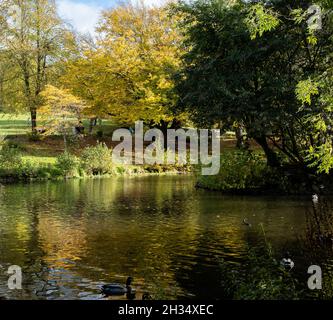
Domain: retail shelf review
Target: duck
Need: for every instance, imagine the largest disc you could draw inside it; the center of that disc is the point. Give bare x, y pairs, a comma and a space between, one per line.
116, 289
247, 223
287, 263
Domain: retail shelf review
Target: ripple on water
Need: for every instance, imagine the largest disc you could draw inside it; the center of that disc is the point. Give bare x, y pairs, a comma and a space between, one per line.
72, 237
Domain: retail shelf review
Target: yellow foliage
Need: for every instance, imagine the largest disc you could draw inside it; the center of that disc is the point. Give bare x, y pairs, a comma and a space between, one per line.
61, 110
129, 75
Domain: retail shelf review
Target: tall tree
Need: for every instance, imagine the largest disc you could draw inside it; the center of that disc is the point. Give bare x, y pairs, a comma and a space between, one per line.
129, 74
33, 37
247, 63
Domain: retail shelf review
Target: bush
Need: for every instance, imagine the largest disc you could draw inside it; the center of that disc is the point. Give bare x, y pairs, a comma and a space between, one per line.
260, 276
10, 157
120, 170
242, 170
97, 160
67, 164
33, 169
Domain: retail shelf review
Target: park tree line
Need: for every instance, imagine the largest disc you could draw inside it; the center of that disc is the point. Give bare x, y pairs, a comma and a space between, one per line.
125, 73
258, 66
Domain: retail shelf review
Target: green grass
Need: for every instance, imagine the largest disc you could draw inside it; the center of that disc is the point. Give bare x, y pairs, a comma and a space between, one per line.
41, 160
19, 124
11, 124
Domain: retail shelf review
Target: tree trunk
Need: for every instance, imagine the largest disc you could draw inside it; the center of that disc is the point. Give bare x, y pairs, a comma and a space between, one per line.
65, 142
33, 113
271, 156
92, 124
239, 136
163, 126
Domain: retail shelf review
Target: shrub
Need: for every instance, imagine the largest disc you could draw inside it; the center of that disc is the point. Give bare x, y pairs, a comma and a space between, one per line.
67, 164
260, 276
120, 170
242, 170
97, 160
29, 169
10, 157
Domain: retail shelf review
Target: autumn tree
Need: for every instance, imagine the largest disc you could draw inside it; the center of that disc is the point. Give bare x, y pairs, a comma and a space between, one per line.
129, 74
61, 111
33, 39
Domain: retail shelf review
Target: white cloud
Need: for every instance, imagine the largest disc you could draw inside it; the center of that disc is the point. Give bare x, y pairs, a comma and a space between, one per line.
83, 17
151, 3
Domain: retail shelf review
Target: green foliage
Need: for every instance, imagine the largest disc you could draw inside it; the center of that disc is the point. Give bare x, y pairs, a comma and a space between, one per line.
305, 90
260, 20
68, 164
242, 170
266, 279
10, 156
316, 96
97, 160
29, 170
321, 158
317, 244
251, 64
263, 278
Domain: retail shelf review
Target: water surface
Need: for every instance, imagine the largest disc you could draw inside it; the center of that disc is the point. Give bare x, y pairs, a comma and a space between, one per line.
71, 237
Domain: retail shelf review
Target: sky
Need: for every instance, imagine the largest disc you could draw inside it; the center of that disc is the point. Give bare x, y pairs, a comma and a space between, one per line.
84, 14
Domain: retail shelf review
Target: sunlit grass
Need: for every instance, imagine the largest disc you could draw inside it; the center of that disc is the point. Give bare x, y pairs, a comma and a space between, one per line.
40, 160
11, 124
19, 124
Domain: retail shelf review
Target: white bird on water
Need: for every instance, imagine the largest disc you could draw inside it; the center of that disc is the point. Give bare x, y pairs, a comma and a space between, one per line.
315, 198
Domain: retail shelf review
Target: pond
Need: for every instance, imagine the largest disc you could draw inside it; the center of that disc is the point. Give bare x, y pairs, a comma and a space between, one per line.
72, 237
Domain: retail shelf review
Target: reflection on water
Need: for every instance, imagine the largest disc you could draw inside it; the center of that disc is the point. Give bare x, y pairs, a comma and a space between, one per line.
72, 237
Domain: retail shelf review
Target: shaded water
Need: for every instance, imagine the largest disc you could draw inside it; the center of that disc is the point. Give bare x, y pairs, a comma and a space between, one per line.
71, 237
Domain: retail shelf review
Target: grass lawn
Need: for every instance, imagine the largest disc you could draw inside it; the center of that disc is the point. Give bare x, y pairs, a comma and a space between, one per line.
14, 124
41, 160
19, 124
16, 127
